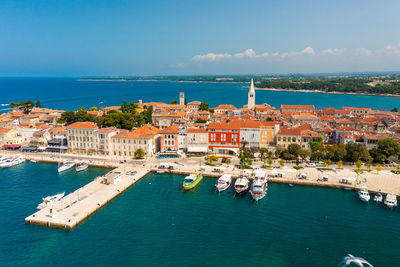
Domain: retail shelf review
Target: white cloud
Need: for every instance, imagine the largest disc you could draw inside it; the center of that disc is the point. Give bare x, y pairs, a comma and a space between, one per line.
331, 51
364, 51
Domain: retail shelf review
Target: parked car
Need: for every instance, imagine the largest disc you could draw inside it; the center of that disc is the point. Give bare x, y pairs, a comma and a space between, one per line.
311, 164
320, 164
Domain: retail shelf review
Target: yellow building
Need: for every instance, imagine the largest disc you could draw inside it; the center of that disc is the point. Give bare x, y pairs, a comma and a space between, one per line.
81, 137
268, 131
8, 136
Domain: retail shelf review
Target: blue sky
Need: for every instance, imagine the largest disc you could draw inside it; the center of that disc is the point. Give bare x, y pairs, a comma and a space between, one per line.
111, 38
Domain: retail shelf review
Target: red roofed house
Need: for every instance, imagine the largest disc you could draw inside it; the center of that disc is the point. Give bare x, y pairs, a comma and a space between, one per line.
224, 137
169, 139
197, 141
81, 137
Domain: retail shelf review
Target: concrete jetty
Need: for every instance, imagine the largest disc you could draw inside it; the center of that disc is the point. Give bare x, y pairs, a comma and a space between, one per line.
74, 208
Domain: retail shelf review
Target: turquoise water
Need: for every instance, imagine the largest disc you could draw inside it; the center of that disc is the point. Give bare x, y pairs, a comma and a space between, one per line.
70, 94
154, 223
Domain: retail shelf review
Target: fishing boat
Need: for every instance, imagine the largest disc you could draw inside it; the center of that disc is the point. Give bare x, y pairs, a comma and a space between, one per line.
50, 199
391, 200
192, 181
258, 189
363, 194
223, 182
66, 166
81, 167
378, 197
241, 184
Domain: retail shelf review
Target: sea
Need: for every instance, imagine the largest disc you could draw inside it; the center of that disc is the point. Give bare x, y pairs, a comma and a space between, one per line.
156, 223
73, 93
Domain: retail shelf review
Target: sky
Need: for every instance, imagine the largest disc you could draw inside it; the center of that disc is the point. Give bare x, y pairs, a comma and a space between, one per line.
187, 37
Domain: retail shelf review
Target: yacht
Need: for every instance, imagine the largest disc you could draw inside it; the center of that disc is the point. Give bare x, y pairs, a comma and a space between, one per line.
50, 199
363, 194
11, 162
378, 197
223, 182
391, 200
192, 181
258, 189
66, 166
81, 167
241, 184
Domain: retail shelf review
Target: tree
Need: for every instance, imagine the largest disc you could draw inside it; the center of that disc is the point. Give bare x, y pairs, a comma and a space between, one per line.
93, 109
317, 149
139, 153
282, 163
294, 149
268, 119
174, 102
359, 164
335, 152
386, 148
199, 120
304, 154
67, 117
340, 164
203, 106
269, 161
328, 162
186, 101
355, 152
378, 167
394, 110
129, 107
263, 151
38, 104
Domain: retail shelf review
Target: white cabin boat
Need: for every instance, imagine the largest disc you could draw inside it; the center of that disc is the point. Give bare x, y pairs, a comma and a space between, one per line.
241, 184
66, 166
223, 182
82, 166
11, 162
378, 197
363, 194
391, 200
258, 189
50, 199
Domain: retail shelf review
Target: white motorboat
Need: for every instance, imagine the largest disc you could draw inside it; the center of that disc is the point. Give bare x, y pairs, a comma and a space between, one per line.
241, 184
11, 162
258, 189
33, 161
363, 194
50, 199
378, 197
391, 200
223, 182
82, 166
66, 166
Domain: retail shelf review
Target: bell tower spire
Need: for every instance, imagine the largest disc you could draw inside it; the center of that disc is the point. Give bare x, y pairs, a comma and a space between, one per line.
251, 100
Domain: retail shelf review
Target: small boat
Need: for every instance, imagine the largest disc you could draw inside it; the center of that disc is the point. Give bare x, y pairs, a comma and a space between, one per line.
391, 200
290, 185
66, 166
258, 189
241, 184
378, 197
223, 182
363, 194
50, 199
192, 181
347, 188
82, 166
33, 161
11, 162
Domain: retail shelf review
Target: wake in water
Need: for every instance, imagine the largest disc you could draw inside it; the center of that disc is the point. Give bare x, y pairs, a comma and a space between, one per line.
350, 260
4, 105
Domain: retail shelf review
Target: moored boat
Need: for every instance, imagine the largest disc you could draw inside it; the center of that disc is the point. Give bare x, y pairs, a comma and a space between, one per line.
241, 184
363, 194
50, 199
223, 182
192, 181
378, 197
82, 166
391, 200
258, 189
66, 166
9, 162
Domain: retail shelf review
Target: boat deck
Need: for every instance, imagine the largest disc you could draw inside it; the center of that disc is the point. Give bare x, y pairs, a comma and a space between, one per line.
74, 208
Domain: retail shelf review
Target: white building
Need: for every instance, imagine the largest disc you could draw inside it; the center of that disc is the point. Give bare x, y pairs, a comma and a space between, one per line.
251, 101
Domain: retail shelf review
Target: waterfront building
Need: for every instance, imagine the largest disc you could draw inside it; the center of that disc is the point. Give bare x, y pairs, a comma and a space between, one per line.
125, 144
182, 137
103, 140
297, 108
40, 138
268, 131
8, 136
251, 99
287, 136
224, 137
58, 142
81, 137
197, 141
250, 133
194, 105
170, 139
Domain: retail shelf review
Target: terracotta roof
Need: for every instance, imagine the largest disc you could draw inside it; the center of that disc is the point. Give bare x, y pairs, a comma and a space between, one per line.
58, 130
287, 131
355, 108
5, 130
225, 106
298, 106
106, 130
194, 103
83, 125
197, 131
173, 129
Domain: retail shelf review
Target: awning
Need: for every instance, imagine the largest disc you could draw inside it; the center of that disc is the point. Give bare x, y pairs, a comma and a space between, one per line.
11, 146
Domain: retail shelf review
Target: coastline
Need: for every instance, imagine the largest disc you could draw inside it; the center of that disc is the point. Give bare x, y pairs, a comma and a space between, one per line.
324, 92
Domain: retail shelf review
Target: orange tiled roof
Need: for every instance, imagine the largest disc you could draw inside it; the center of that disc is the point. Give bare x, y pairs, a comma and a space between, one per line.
83, 125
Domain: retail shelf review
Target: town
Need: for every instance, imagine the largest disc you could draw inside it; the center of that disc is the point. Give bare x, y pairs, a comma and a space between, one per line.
291, 133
